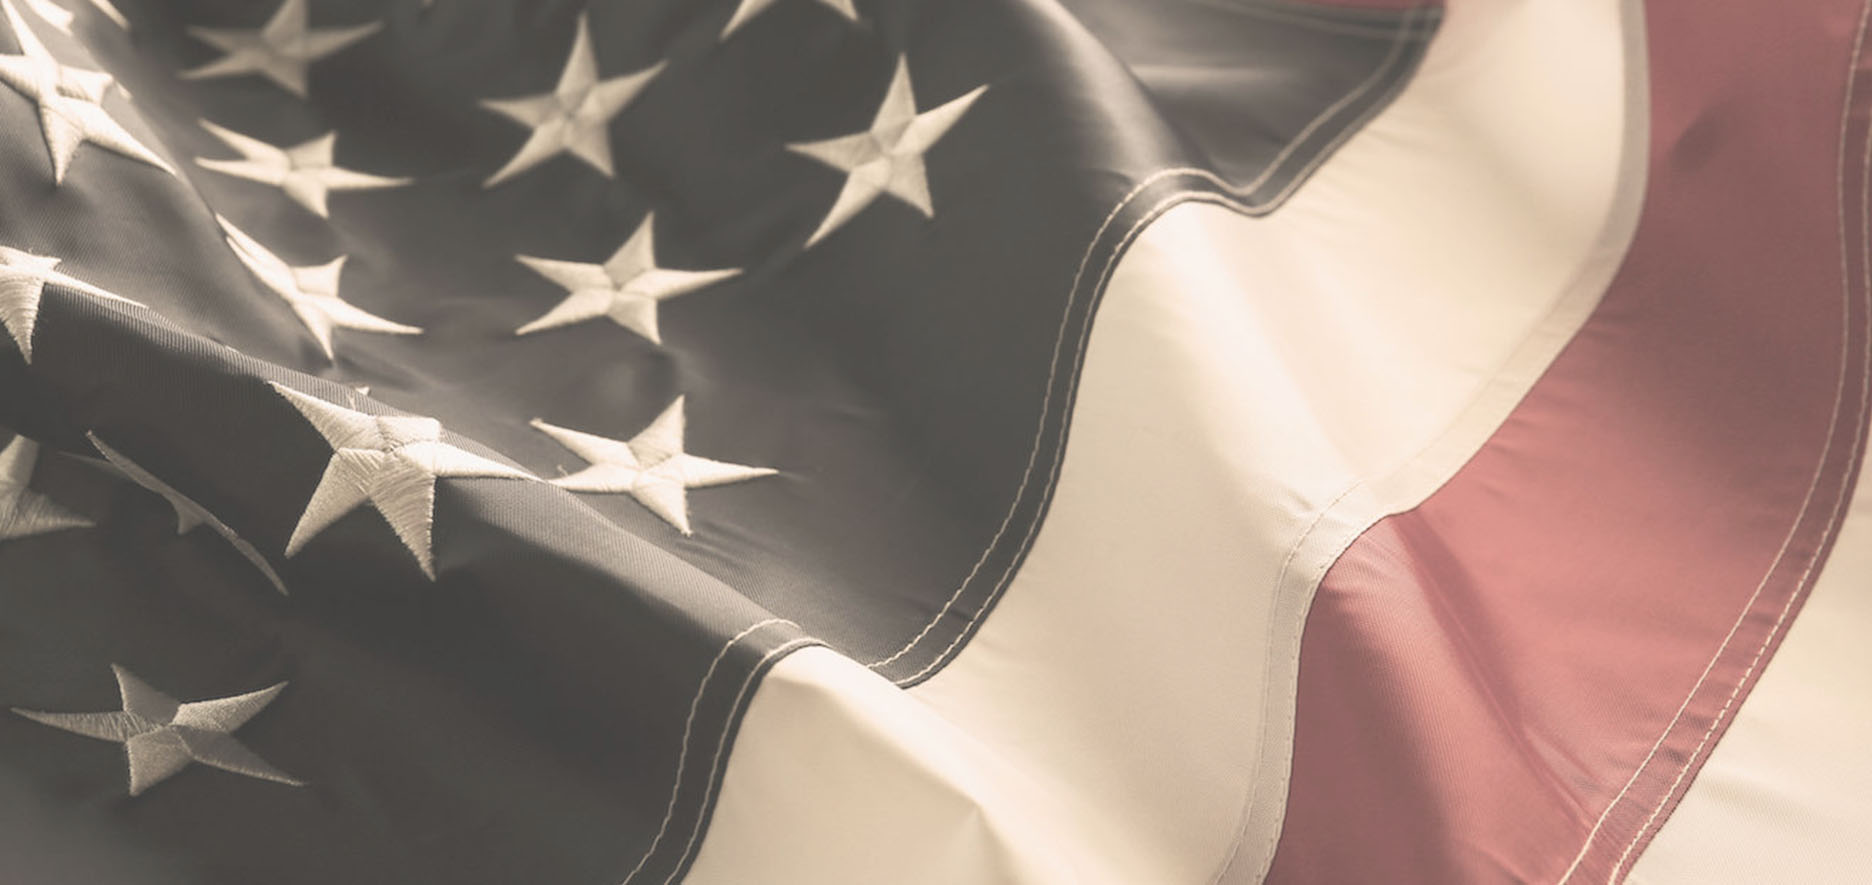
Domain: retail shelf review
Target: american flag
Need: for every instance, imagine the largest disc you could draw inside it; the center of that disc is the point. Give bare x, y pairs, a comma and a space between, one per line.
934, 441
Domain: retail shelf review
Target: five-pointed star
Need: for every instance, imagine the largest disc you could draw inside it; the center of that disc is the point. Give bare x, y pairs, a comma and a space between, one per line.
576, 116
625, 288
304, 171
311, 292
887, 158
750, 8
652, 466
70, 101
391, 461
24, 512
23, 277
280, 50
162, 736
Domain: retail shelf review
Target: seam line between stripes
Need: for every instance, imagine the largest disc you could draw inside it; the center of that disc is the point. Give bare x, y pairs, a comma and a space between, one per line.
1406, 25
1813, 486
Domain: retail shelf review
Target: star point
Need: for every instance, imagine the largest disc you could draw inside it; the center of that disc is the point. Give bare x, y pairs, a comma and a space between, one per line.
575, 117
748, 9
280, 50
888, 157
161, 735
651, 466
70, 102
391, 462
24, 512
52, 14
305, 172
626, 287
23, 278
311, 292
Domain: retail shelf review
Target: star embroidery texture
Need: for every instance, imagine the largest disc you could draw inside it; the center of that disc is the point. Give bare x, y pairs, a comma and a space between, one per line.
390, 461
651, 467
576, 116
279, 50
162, 736
305, 172
887, 158
23, 278
751, 8
70, 100
311, 292
625, 288
24, 512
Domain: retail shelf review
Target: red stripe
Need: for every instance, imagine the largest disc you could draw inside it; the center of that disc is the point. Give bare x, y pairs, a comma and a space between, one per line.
1519, 672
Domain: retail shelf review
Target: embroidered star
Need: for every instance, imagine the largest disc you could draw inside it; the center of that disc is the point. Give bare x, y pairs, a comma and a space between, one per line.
576, 116
651, 467
625, 288
390, 461
311, 292
70, 101
189, 515
280, 50
162, 736
23, 278
305, 172
24, 512
887, 158
750, 8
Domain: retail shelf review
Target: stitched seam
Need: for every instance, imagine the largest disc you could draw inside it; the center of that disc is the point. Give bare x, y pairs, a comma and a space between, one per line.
1865, 397
1813, 486
1300, 18
682, 756
721, 746
1378, 73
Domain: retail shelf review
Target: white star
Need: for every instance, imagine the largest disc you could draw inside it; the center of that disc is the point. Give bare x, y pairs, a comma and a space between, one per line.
311, 292
652, 466
576, 116
750, 8
888, 158
391, 461
70, 100
24, 512
162, 736
304, 172
625, 288
23, 277
189, 515
280, 50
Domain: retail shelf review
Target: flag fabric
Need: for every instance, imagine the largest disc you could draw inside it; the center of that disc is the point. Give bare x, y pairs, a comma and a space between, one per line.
1040, 441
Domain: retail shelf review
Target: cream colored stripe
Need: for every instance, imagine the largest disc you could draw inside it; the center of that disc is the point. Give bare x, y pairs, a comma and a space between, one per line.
1254, 392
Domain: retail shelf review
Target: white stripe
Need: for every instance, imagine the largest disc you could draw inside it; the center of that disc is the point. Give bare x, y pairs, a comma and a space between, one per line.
1255, 392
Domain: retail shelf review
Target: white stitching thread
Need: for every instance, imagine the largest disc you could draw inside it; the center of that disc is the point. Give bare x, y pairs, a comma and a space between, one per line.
1833, 423
682, 757
721, 745
1865, 398
1405, 27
